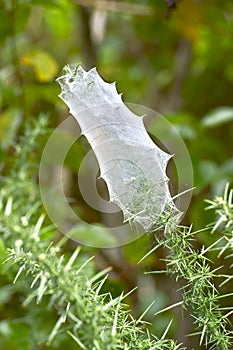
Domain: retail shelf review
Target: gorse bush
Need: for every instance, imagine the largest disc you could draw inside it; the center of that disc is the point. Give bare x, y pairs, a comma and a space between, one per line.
67, 286
70, 286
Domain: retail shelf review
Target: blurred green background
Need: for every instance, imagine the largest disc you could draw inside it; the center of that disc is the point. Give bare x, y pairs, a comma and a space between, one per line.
176, 60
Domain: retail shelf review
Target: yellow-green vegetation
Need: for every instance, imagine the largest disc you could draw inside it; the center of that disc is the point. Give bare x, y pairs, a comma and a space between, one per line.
174, 57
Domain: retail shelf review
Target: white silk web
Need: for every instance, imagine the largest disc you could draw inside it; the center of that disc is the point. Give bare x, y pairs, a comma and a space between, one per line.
133, 167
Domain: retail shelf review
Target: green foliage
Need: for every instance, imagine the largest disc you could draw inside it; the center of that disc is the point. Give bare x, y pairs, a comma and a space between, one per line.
68, 282
223, 207
217, 117
72, 287
199, 292
177, 62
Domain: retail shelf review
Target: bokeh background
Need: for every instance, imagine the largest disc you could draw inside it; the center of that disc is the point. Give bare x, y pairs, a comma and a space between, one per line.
172, 56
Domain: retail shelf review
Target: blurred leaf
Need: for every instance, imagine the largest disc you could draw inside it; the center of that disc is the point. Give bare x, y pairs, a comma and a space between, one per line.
217, 117
229, 71
227, 167
14, 335
12, 22
2, 246
208, 171
5, 329
5, 27
93, 235
38, 92
186, 131
58, 19
45, 66
3, 255
164, 77
6, 292
9, 123
135, 250
189, 19
22, 14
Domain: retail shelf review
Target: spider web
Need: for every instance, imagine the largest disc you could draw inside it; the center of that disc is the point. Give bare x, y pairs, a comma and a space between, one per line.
133, 167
